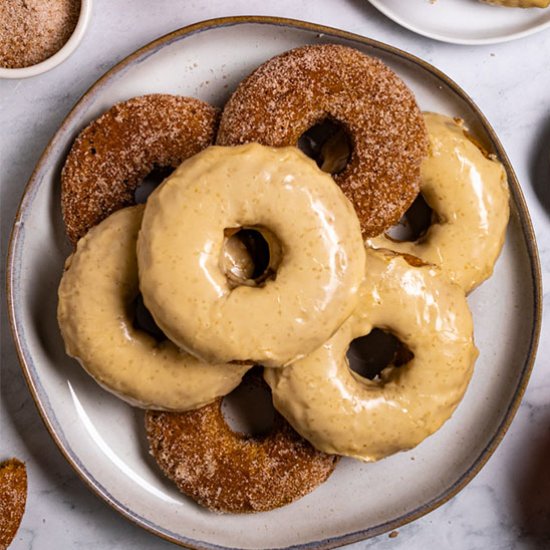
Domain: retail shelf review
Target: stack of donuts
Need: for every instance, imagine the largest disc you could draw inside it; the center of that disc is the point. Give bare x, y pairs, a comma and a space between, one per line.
253, 254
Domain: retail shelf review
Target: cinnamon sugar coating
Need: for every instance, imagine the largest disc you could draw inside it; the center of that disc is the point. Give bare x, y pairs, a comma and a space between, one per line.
31, 31
112, 156
13, 497
230, 472
292, 92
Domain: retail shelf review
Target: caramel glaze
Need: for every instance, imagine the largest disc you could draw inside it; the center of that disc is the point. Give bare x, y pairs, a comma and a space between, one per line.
468, 193
181, 255
96, 318
341, 412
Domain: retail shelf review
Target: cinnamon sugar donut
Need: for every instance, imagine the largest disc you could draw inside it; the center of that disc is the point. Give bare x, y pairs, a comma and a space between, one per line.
231, 472
110, 157
13, 497
292, 92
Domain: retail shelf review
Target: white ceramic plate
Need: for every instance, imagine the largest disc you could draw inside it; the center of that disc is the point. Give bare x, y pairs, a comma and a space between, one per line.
103, 438
464, 21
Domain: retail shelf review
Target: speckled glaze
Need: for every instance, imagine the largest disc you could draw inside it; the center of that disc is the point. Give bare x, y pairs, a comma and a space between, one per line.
96, 293
341, 412
97, 433
181, 242
468, 193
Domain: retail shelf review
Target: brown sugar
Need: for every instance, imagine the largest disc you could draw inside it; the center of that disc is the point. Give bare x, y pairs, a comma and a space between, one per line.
33, 30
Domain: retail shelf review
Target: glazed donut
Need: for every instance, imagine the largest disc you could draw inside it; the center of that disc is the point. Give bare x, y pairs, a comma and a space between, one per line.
227, 471
95, 316
315, 249
110, 158
13, 497
468, 193
341, 412
293, 92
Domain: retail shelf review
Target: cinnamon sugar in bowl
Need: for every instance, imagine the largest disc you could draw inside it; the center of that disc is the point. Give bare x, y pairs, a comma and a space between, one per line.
37, 35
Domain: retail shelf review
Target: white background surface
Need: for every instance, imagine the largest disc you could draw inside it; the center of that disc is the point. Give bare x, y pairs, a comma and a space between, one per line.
508, 503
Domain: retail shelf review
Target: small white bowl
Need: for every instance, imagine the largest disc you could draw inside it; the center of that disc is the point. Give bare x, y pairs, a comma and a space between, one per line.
68, 48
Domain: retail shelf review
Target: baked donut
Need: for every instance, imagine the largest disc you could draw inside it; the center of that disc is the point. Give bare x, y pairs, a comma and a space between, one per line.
13, 497
316, 255
341, 412
96, 318
111, 157
227, 471
291, 93
468, 193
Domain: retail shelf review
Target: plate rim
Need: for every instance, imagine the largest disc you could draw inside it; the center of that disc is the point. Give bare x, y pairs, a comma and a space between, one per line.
525, 225
390, 14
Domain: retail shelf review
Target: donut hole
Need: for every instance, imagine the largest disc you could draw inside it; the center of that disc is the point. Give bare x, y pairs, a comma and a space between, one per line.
328, 144
143, 320
150, 182
250, 256
371, 354
415, 222
248, 409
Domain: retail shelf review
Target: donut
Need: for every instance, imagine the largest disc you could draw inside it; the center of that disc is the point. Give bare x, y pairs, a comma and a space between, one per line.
13, 497
468, 193
111, 157
96, 318
519, 3
291, 93
227, 471
339, 411
316, 255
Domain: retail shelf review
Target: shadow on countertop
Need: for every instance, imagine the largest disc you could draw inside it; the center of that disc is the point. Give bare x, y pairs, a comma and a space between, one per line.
532, 490
540, 166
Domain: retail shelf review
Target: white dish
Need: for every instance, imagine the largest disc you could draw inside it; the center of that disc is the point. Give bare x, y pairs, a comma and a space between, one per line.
464, 21
64, 53
103, 438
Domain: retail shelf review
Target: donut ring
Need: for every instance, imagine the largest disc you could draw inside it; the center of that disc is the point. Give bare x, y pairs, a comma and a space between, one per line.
181, 244
94, 312
13, 498
230, 472
292, 92
468, 193
341, 412
111, 156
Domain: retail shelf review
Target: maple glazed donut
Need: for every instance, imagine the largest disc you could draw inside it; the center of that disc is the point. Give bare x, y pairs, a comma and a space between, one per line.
230, 472
316, 255
111, 156
96, 294
469, 195
341, 412
291, 93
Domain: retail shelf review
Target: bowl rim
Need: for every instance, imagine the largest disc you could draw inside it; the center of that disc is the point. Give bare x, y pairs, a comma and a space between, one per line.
449, 39
517, 198
61, 55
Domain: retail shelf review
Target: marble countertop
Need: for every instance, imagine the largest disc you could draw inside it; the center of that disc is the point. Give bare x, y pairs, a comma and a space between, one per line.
510, 83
